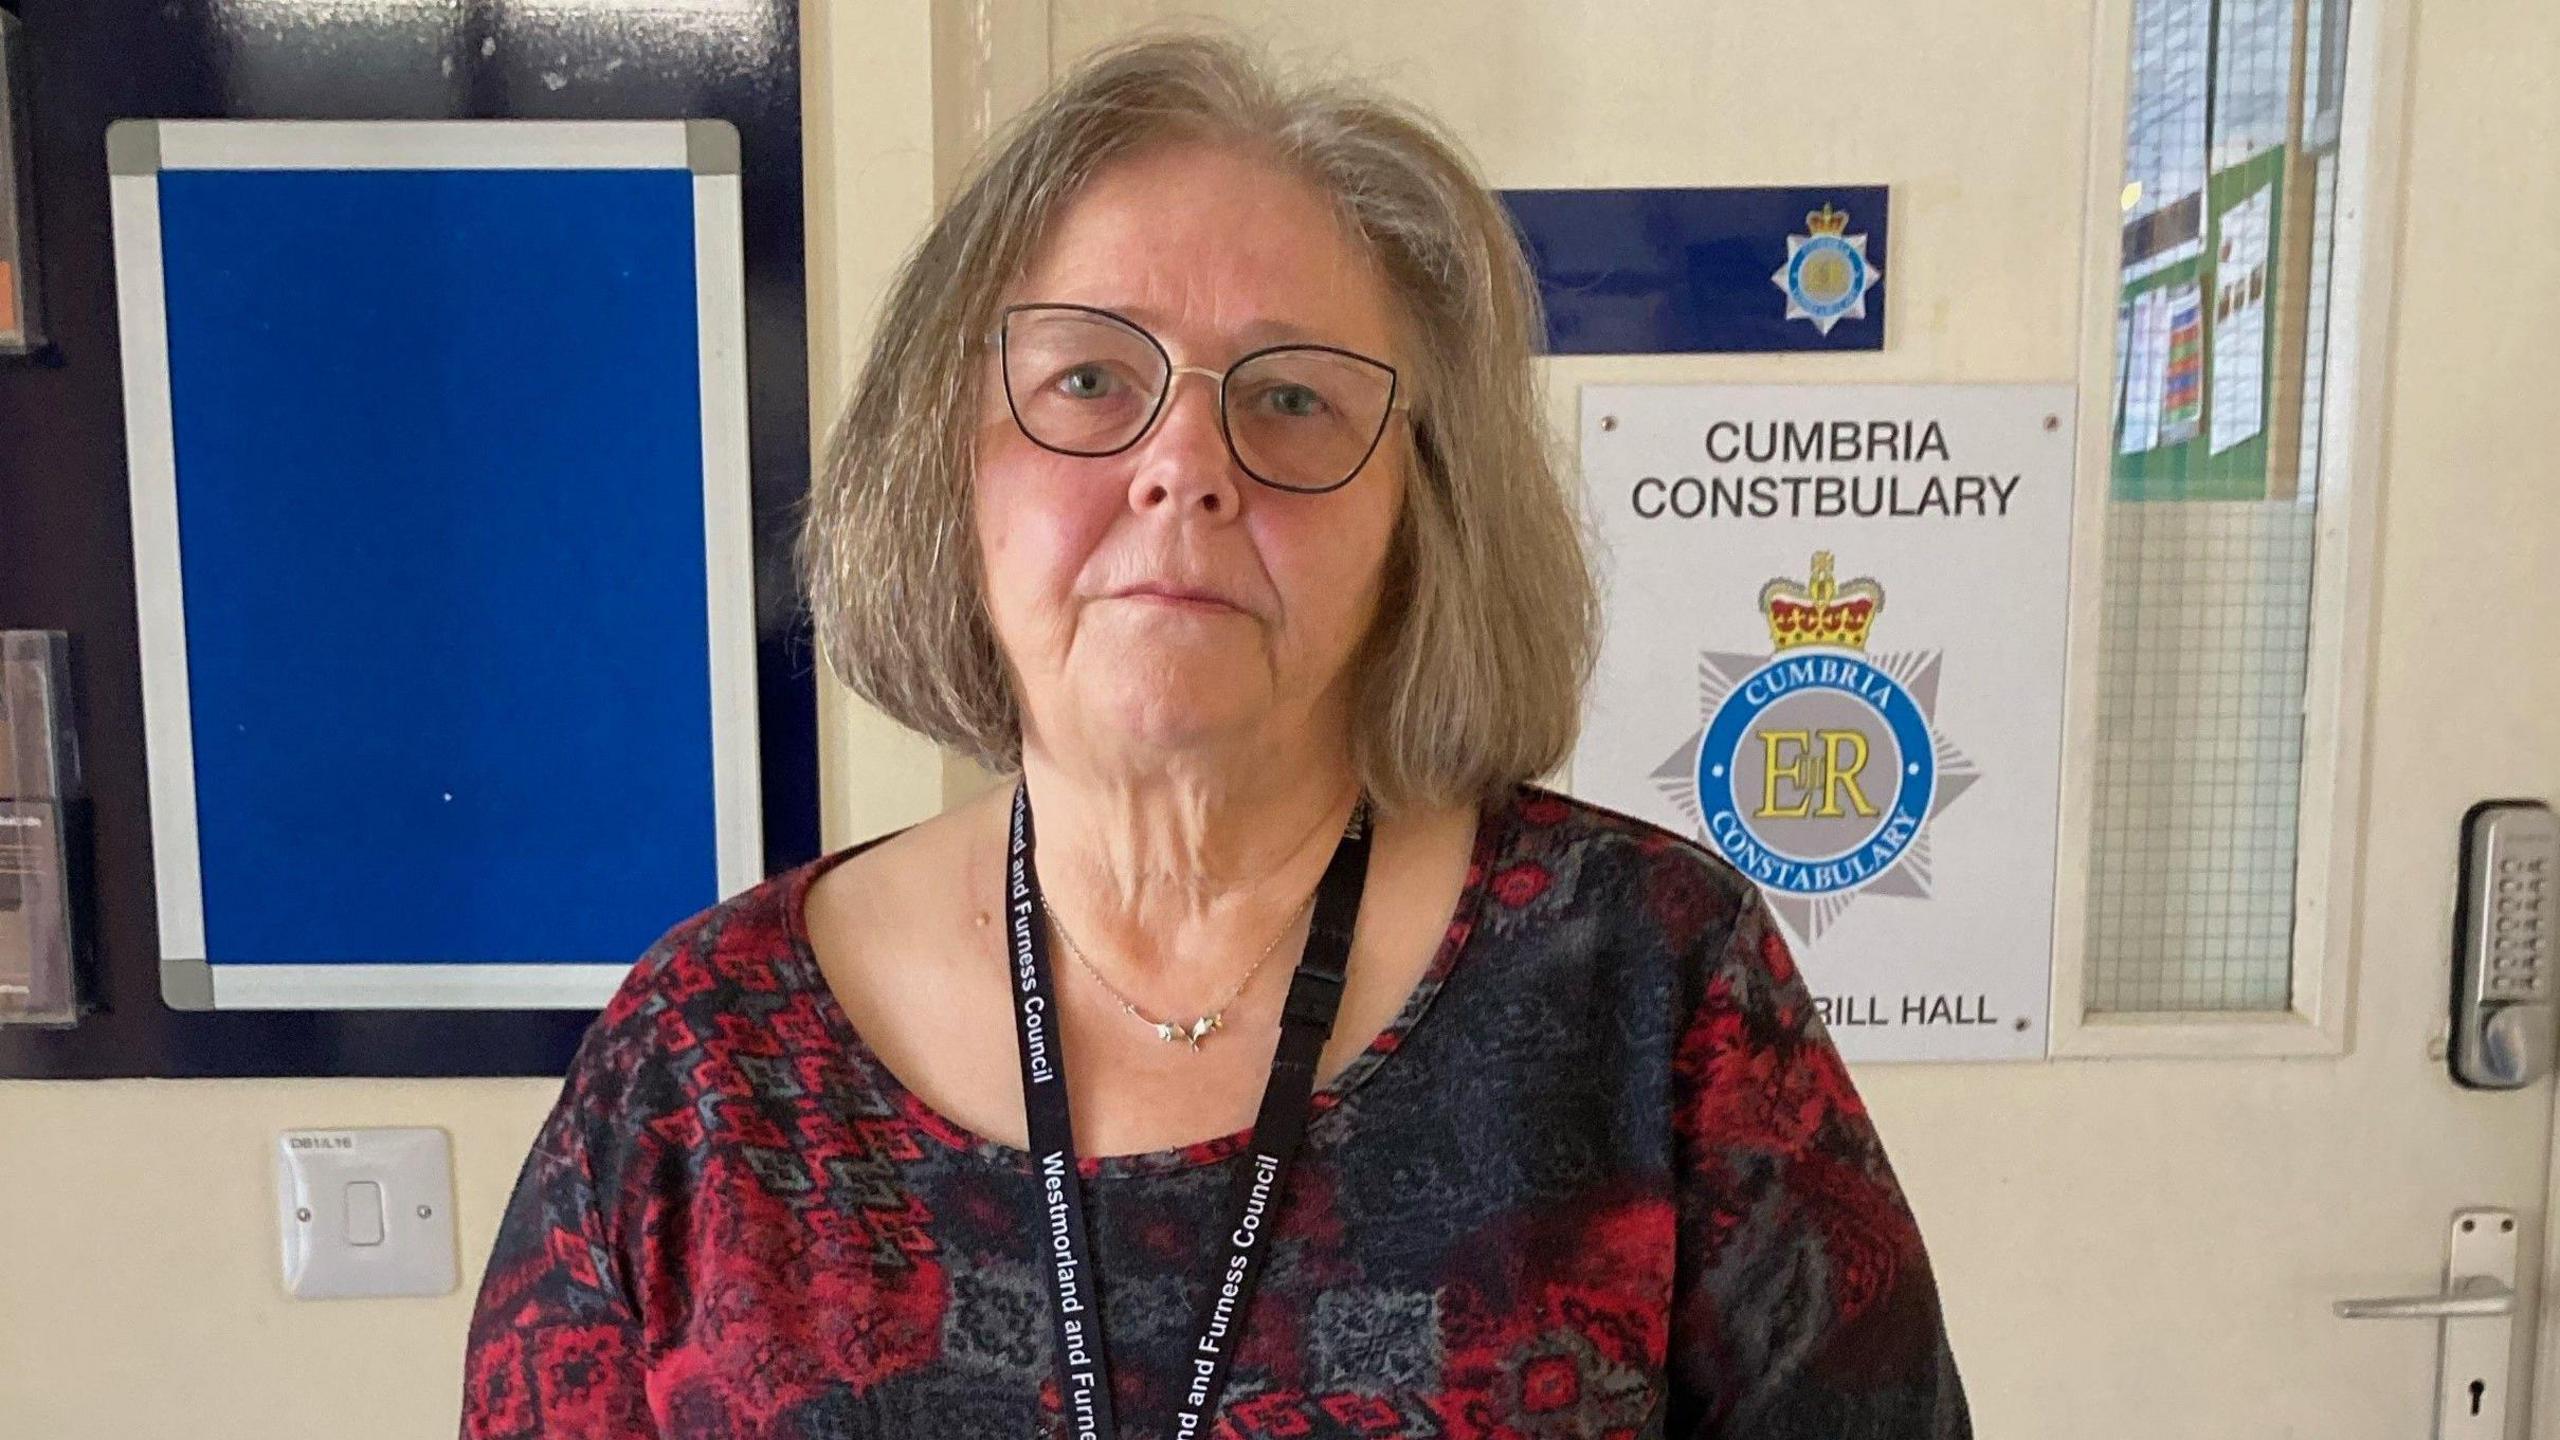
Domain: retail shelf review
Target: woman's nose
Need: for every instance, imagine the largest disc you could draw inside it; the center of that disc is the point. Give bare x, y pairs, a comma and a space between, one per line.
1185, 460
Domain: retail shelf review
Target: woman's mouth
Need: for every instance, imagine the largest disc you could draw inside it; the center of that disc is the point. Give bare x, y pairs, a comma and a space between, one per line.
1176, 597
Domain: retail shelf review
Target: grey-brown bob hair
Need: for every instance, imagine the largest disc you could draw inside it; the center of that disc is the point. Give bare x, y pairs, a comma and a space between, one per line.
1471, 678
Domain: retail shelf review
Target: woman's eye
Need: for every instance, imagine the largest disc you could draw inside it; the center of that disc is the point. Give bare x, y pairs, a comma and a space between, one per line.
1294, 402
1085, 382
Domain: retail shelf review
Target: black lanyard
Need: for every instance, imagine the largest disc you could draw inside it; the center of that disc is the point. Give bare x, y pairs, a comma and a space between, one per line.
1075, 1298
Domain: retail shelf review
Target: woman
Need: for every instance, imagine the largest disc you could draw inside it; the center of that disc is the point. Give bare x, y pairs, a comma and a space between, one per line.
1271, 1057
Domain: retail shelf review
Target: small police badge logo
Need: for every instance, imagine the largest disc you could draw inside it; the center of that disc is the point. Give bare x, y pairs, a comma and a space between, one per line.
1827, 274
1817, 767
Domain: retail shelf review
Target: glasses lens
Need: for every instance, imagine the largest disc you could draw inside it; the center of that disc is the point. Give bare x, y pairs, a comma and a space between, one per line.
1306, 419
1079, 382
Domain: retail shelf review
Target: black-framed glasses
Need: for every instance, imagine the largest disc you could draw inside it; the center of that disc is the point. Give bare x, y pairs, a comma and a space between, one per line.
1084, 381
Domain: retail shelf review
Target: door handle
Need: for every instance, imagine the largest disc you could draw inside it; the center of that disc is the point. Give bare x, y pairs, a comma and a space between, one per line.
2475, 1315
2476, 1295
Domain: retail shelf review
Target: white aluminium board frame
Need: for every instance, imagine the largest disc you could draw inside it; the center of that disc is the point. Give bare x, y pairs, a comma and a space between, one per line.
138, 152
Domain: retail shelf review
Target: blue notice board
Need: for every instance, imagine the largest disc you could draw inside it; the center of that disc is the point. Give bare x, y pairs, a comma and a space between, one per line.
442, 551
1727, 268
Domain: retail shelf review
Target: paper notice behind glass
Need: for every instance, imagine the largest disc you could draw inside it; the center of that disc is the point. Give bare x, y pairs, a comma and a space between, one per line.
2146, 369
2240, 323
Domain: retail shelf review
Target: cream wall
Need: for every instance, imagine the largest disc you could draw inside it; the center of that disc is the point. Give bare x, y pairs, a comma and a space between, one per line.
138, 1294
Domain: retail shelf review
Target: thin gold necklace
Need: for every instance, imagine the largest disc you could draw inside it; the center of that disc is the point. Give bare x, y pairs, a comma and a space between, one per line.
1193, 1031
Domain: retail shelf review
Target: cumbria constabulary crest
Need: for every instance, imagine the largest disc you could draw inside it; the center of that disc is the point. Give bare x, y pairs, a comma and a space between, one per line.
1816, 768
1827, 274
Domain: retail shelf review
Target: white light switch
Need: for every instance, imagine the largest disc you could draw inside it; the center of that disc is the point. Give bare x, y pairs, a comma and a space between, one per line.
366, 1212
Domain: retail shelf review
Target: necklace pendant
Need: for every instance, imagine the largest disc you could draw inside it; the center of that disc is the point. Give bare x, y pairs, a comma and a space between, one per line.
1188, 1034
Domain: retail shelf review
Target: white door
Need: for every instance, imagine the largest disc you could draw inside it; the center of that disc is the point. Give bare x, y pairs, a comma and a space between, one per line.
2248, 1115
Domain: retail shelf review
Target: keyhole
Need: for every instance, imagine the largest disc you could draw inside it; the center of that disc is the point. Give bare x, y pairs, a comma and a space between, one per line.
2478, 1389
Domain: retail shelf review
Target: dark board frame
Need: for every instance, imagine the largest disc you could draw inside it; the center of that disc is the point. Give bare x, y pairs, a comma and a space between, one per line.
65, 537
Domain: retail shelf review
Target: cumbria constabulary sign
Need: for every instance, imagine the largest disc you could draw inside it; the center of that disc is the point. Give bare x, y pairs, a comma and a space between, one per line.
1834, 656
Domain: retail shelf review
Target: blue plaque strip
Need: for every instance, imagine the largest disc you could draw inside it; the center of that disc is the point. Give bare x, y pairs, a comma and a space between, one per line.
1696, 271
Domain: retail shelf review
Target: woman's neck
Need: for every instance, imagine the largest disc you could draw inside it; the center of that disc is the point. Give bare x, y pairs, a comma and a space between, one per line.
1178, 877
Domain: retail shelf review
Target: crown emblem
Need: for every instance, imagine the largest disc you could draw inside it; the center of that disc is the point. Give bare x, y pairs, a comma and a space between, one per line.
1826, 221
1823, 611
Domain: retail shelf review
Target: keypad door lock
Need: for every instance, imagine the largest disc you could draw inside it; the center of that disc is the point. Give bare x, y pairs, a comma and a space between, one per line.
2506, 1004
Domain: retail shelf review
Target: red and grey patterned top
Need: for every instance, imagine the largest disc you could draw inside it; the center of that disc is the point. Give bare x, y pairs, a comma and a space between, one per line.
1603, 1176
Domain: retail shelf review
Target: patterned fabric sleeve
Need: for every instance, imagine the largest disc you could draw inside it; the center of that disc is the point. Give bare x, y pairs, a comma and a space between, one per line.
556, 1344
1803, 1306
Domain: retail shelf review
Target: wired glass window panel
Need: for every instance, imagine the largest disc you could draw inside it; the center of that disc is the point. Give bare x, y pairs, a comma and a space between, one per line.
2205, 598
